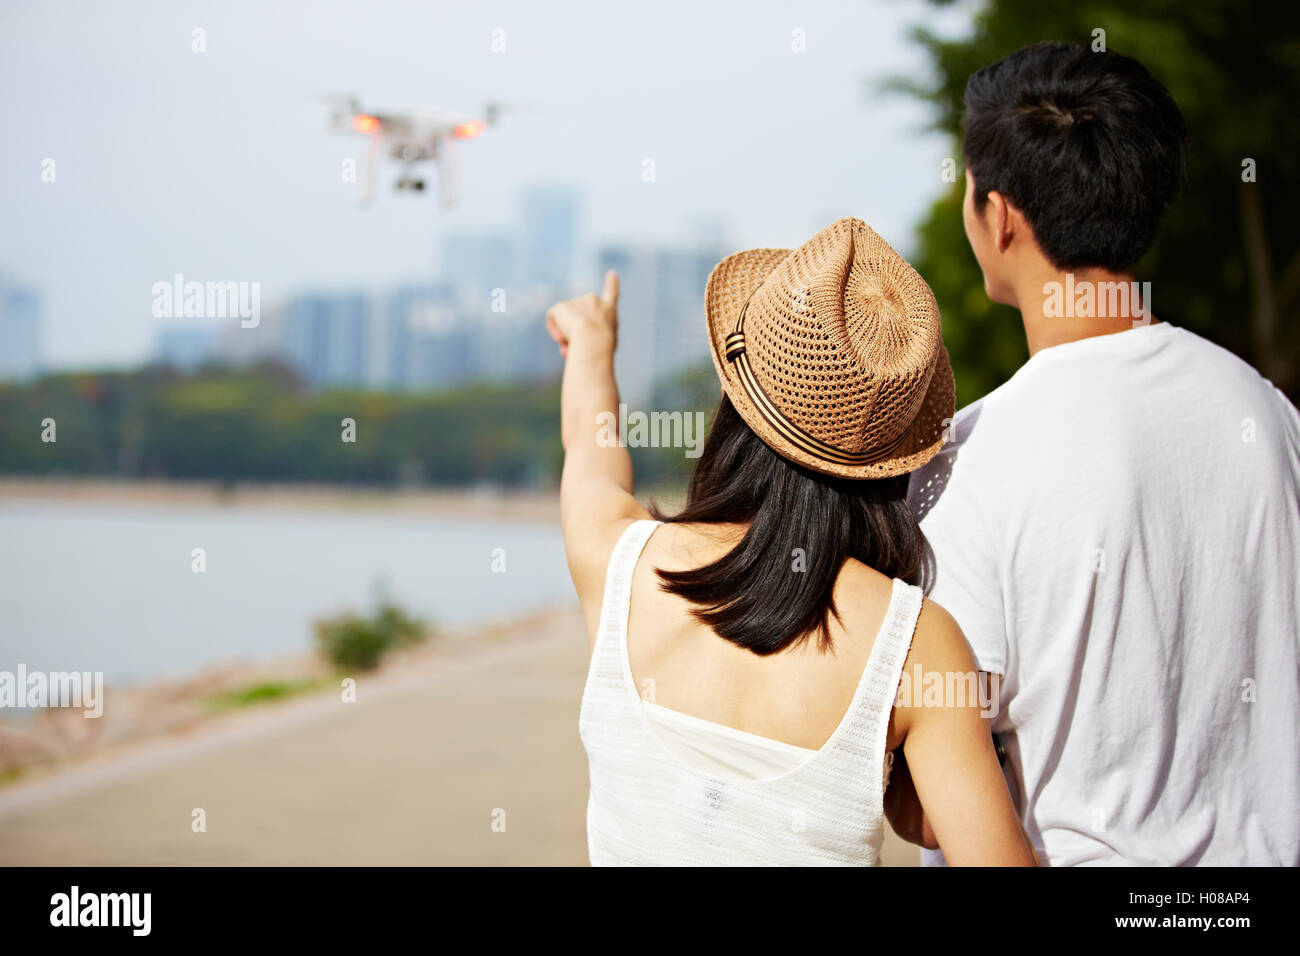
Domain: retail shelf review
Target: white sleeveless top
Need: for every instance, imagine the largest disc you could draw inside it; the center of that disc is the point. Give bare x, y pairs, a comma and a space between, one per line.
649, 806
722, 750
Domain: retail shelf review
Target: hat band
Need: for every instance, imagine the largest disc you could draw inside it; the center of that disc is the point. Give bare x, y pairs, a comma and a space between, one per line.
735, 351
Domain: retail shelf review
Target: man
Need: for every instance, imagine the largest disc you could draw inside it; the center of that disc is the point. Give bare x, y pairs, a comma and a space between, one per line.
1117, 527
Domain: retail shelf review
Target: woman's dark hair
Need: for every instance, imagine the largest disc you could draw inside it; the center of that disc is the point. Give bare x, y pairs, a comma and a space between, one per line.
775, 588
1088, 145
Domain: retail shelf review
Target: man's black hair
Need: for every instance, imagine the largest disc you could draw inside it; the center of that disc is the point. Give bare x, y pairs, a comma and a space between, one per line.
1089, 146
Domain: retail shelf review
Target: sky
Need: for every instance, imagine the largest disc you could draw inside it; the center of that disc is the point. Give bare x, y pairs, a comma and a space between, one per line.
220, 164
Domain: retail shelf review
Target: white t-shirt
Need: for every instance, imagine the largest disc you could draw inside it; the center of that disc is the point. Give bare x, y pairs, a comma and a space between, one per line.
1117, 531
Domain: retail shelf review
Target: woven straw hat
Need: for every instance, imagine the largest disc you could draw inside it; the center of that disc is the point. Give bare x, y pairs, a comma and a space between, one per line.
831, 352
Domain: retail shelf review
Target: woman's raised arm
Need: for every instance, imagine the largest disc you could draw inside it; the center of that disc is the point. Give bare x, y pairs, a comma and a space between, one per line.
596, 501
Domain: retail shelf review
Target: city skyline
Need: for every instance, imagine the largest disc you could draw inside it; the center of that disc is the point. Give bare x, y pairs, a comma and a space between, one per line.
476, 317
218, 164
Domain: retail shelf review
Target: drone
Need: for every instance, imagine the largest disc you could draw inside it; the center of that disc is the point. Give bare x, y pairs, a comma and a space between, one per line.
413, 139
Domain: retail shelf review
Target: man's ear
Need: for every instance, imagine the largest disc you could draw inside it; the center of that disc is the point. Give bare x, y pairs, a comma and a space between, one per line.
1002, 216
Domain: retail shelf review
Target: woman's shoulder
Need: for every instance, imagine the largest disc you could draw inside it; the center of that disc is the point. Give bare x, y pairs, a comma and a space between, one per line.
938, 643
862, 586
678, 546
864, 597
864, 601
589, 550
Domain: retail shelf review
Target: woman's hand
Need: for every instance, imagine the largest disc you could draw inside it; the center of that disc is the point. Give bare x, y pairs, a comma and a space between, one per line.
588, 318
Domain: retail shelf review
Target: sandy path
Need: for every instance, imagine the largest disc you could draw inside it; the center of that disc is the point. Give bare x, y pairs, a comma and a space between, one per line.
411, 774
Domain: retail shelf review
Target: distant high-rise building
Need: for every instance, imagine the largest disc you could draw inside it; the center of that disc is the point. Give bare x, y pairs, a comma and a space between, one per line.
634, 362
20, 331
513, 345
186, 347
549, 237
425, 339
234, 344
325, 338
661, 309
682, 339
480, 262
443, 357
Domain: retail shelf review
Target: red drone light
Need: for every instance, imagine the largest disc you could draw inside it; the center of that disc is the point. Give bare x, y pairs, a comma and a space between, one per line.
364, 123
470, 130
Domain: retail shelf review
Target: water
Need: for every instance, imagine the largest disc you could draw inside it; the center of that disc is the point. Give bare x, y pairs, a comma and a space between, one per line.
108, 587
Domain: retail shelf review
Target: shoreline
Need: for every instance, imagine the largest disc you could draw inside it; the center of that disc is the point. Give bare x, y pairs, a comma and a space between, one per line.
48, 743
486, 502
35, 744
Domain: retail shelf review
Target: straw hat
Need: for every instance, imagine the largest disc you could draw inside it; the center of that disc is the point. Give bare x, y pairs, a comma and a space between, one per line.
832, 354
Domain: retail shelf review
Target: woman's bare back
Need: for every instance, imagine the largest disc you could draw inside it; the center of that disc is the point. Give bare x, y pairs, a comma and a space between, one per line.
797, 696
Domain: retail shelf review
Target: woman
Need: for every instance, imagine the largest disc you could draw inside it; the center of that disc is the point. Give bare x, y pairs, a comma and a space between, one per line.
747, 652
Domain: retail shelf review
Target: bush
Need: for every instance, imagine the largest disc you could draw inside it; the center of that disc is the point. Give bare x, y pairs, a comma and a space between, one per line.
399, 626
356, 642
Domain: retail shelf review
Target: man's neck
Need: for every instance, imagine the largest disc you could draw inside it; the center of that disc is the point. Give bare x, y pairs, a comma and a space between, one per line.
1065, 306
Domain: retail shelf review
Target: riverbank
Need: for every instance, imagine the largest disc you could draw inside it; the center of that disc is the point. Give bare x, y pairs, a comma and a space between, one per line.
485, 502
35, 745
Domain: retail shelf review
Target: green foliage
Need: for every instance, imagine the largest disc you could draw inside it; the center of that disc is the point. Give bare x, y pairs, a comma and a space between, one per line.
986, 342
357, 642
259, 693
1227, 262
259, 425
399, 627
